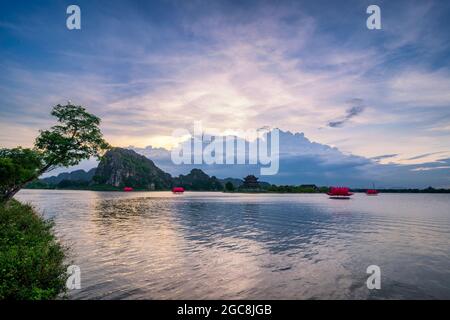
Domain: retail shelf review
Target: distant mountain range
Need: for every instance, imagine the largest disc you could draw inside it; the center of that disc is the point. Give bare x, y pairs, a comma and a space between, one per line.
77, 175
121, 168
302, 161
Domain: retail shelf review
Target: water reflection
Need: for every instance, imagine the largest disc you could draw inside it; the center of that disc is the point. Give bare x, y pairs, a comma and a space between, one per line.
213, 245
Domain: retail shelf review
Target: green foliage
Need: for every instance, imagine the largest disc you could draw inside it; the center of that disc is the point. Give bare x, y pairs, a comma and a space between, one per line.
38, 184
229, 186
75, 138
73, 184
17, 166
31, 260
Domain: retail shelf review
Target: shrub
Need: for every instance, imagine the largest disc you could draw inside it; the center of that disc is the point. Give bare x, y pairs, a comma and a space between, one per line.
31, 260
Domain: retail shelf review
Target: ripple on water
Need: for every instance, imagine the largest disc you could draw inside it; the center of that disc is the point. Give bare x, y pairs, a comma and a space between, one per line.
153, 245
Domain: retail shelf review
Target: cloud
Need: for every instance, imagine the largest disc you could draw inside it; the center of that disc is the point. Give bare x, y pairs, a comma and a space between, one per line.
430, 168
420, 88
357, 108
303, 161
425, 155
384, 156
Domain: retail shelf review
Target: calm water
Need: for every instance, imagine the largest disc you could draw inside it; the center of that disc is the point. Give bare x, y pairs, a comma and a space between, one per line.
155, 245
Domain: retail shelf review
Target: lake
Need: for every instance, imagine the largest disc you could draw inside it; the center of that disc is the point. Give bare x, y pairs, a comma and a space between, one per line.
205, 245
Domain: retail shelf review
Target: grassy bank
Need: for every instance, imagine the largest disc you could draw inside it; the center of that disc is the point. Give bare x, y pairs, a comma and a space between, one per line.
31, 260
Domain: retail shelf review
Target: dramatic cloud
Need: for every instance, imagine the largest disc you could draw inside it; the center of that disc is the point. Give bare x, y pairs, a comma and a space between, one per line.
303, 161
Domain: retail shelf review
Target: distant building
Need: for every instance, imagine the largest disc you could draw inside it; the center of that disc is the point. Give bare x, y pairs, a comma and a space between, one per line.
250, 182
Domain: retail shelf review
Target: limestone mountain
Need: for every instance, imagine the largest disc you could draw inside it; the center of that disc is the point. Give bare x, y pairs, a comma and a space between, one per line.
198, 180
123, 167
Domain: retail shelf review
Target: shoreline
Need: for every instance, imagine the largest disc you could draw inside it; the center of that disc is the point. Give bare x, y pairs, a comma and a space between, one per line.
359, 191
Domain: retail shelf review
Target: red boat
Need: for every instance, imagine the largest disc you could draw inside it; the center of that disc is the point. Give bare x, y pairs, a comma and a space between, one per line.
127, 189
373, 191
339, 193
178, 190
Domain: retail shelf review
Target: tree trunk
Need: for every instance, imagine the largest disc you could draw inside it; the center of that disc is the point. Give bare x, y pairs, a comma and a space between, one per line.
8, 196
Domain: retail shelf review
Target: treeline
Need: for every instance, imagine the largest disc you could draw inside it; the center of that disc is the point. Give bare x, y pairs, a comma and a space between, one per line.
296, 189
409, 190
64, 184
266, 187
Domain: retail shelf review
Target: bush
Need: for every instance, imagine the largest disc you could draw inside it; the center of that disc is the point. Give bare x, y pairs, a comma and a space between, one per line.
31, 260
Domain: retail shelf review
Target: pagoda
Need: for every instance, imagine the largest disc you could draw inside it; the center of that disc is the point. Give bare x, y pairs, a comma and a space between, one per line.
250, 182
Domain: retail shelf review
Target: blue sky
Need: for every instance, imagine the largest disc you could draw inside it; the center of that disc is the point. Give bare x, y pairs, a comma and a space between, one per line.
149, 67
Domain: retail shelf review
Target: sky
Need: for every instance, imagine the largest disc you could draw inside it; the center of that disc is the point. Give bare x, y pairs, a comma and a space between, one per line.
310, 67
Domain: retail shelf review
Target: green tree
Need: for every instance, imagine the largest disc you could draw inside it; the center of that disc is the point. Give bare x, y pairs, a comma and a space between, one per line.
16, 166
229, 186
76, 137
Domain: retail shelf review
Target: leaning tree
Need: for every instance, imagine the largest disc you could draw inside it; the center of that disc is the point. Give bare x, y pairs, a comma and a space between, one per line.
75, 137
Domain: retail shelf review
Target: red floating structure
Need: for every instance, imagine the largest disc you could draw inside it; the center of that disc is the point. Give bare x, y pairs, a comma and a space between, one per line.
126, 189
373, 191
178, 190
339, 193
